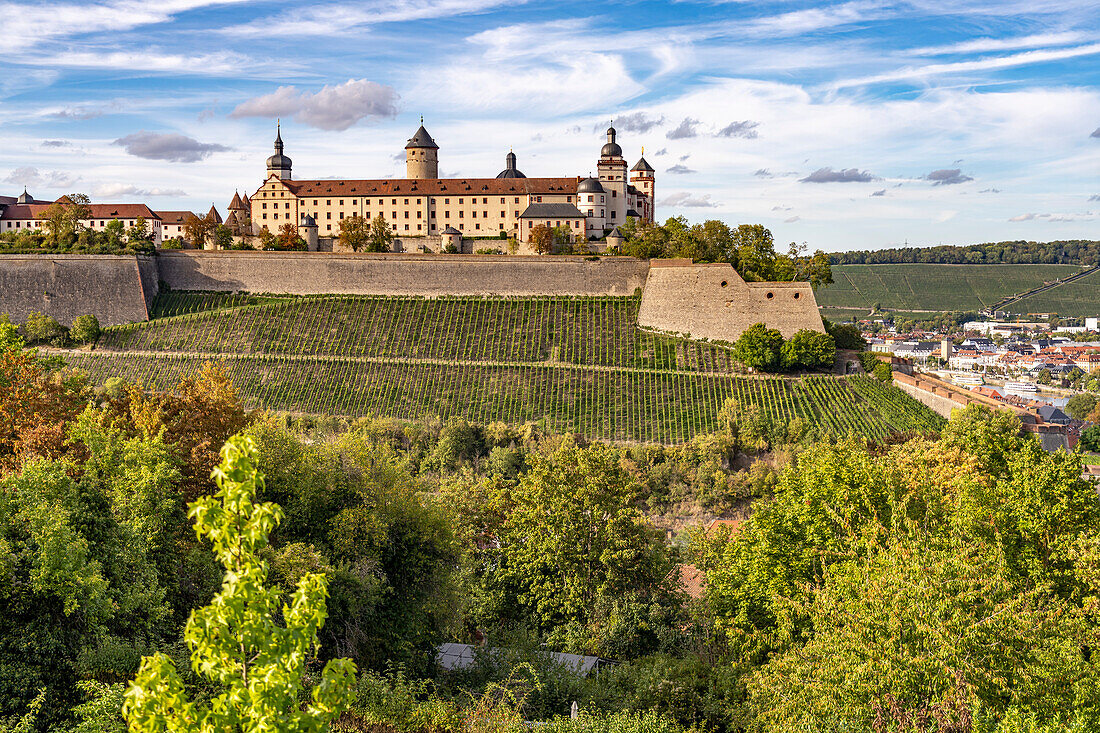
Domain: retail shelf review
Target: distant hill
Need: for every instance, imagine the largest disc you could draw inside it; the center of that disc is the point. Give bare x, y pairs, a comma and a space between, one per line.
1070, 252
940, 287
1074, 299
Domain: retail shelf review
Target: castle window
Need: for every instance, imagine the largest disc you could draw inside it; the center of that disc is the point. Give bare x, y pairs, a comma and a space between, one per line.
461, 227
517, 199
433, 227
328, 214
502, 215
502, 225
287, 205
395, 227
341, 215
614, 193
484, 201
590, 198
393, 215
395, 202
460, 213
446, 201
406, 215
418, 201
446, 215
406, 202
264, 204
485, 215
328, 227
419, 227
431, 213
341, 202
502, 199
473, 214
460, 202
418, 214
275, 215
406, 227
477, 226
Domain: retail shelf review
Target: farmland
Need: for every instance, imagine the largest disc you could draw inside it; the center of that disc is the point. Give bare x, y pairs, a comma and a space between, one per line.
572, 364
931, 287
1078, 298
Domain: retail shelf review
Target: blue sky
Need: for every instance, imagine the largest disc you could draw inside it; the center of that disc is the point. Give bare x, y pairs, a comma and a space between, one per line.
842, 125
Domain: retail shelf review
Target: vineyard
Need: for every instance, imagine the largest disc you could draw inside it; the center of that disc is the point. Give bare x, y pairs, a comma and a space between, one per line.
932, 287
1077, 298
572, 364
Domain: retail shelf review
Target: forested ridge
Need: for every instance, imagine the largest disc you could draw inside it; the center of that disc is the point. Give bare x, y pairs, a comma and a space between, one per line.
1019, 252
939, 582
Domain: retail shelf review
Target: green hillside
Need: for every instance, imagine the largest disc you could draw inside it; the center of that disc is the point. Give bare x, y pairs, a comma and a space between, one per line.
574, 364
933, 287
1078, 298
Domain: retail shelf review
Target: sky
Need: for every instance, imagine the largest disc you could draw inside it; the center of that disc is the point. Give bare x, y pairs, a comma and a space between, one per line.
841, 125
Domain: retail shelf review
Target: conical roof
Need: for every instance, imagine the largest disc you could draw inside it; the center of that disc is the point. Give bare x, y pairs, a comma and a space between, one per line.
643, 166
214, 215
421, 139
236, 203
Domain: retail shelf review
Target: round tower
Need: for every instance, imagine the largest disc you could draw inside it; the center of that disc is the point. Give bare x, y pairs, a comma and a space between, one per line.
278, 165
421, 155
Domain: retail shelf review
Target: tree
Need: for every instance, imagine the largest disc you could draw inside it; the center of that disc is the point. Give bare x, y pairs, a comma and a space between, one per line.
381, 235
355, 232
814, 269
62, 219
234, 641
10, 340
1090, 439
756, 254
1044, 377
809, 350
1080, 405
574, 542
541, 239
289, 240
759, 347
85, 329
114, 232
267, 239
42, 329
138, 235
562, 239
198, 229
222, 237
883, 372
846, 335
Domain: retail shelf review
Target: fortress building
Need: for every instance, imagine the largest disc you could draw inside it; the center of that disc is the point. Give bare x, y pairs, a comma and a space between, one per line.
424, 205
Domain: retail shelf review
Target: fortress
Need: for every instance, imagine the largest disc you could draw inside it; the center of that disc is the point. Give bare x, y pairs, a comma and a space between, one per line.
423, 205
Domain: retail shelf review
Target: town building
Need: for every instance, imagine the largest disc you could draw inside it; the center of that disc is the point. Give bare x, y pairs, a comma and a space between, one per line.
422, 205
25, 214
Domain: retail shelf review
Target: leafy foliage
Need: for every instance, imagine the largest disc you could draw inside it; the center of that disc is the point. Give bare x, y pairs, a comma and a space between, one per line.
234, 641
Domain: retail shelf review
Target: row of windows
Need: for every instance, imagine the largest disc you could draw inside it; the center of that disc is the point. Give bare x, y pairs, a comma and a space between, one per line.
393, 202
92, 223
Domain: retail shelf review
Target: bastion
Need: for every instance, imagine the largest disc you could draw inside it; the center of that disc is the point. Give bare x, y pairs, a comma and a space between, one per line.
711, 301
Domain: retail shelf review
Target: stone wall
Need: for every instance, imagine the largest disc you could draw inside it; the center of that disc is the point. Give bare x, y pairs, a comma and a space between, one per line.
67, 286
711, 301
400, 274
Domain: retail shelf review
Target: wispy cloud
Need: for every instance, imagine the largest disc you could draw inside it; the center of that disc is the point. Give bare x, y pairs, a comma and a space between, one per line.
744, 128
330, 18
680, 169
32, 178
635, 122
985, 45
846, 175
114, 190
331, 108
687, 128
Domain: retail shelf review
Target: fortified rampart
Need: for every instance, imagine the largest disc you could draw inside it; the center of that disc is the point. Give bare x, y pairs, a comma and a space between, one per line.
397, 274
711, 301
116, 289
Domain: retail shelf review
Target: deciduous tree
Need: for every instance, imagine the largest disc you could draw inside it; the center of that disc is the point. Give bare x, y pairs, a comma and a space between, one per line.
355, 232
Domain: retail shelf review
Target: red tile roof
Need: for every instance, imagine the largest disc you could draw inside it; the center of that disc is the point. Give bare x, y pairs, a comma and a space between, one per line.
434, 186
98, 211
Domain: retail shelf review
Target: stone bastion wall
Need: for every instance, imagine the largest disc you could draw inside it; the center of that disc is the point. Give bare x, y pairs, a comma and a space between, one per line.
711, 301
400, 274
678, 297
116, 289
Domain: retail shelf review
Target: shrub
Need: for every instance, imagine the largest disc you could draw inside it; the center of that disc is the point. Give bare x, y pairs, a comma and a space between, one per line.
1080, 405
1090, 439
846, 335
85, 329
883, 372
809, 350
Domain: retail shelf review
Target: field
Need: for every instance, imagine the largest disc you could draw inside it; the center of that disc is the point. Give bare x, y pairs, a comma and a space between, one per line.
572, 364
926, 287
1078, 298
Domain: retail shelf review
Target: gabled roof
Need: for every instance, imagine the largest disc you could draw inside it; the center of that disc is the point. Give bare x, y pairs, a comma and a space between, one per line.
177, 218
551, 211
97, 211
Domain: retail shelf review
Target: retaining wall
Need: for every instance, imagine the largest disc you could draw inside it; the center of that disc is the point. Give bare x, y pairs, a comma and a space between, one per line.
400, 274
67, 286
712, 301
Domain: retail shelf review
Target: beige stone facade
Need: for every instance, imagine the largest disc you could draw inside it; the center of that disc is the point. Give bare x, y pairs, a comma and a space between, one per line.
423, 205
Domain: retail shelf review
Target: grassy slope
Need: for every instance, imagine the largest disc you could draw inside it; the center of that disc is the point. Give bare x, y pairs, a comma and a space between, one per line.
576, 364
933, 287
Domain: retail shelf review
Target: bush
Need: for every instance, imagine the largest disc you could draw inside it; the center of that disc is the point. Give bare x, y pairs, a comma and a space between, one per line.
846, 335
85, 329
1080, 405
1090, 439
883, 372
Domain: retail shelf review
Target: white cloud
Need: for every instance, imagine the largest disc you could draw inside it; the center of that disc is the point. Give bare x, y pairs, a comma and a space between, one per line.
687, 200
846, 175
332, 108
333, 18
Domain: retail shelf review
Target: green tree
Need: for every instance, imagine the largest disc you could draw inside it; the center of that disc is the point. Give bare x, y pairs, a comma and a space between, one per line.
1080, 405
845, 335
574, 542
9, 335
809, 350
381, 235
1090, 439
1044, 377
759, 347
197, 230
883, 372
234, 641
138, 235
222, 237
756, 255
42, 329
113, 233
85, 329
